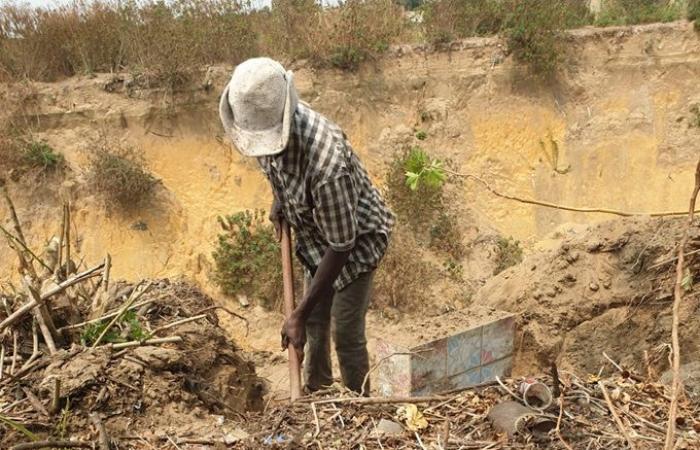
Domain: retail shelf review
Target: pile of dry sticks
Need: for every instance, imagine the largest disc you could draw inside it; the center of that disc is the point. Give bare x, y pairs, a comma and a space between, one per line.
624, 410
43, 318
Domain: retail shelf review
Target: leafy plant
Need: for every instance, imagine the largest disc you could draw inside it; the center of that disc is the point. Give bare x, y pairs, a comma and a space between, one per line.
533, 31
421, 170
18, 427
454, 269
61, 428
119, 174
41, 155
415, 191
421, 135
688, 281
508, 254
247, 258
128, 328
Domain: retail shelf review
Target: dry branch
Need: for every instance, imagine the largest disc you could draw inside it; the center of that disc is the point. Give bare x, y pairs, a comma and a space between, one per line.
530, 201
103, 437
618, 421
32, 303
52, 444
106, 316
42, 317
177, 323
677, 298
165, 340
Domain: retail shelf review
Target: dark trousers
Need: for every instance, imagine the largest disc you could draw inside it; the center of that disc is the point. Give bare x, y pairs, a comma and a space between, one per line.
344, 317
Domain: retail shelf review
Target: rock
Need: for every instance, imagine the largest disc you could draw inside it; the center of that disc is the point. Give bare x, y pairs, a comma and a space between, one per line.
243, 300
389, 428
593, 286
690, 374
235, 435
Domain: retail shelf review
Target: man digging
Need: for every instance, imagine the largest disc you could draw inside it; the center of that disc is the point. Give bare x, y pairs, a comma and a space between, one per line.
321, 189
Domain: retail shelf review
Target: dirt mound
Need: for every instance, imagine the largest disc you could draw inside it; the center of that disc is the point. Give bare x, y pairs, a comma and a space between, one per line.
608, 288
188, 385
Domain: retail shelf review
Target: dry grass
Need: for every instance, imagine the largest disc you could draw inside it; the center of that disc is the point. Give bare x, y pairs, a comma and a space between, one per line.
170, 42
118, 174
403, 277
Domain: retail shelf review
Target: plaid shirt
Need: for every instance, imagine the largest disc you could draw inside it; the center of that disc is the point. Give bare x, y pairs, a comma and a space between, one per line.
327, 197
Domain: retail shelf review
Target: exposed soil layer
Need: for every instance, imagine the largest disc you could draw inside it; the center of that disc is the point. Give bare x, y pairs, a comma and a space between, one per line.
607, 288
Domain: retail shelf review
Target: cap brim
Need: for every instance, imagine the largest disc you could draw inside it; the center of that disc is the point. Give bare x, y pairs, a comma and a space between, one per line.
260, 142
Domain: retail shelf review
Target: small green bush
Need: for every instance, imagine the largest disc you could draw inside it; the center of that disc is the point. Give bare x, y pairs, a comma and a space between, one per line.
533, 31
421, 135
119, 174
629, 12
508, 254
128, 328
38, 154
415, 192
247, 258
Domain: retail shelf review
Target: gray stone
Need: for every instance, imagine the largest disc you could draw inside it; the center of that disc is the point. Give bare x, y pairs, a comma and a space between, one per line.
389, 428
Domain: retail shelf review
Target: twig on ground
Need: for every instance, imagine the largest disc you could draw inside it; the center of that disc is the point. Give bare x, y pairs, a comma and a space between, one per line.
2, 360
42, 317
211, 308
676, 387
381, 400
56, 396
177, 323
35, 402
505, 388
52, 444
106, 316
616, 417
66, 208
102, 436
165, 340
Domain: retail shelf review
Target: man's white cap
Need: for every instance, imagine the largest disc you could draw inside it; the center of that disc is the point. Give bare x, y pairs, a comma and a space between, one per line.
257, 107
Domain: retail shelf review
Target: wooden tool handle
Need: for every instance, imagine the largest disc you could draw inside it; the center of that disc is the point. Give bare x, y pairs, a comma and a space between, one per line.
288, 280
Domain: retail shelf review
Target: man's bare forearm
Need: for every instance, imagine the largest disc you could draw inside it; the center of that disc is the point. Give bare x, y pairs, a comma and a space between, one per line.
321, 286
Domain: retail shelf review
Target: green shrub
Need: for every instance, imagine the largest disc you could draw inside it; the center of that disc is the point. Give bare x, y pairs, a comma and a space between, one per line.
415, 192
628, 12
128, 328
38, 154
119, 174
508, 254
533, 31
421, 135
247, 258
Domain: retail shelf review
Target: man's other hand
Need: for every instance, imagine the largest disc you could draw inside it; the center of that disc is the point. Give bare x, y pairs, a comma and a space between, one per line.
276, 217
294, 332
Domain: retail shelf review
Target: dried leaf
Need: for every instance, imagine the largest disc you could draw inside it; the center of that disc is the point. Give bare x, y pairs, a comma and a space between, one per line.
413, 418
